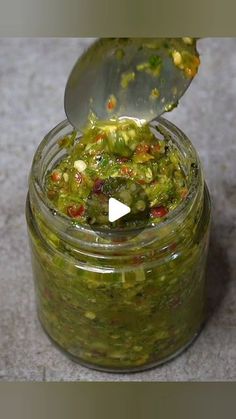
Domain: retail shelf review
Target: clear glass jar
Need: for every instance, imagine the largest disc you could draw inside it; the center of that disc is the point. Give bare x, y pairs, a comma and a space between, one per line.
119, 305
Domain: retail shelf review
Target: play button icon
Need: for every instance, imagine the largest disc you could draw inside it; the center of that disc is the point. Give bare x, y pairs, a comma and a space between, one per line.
117, 210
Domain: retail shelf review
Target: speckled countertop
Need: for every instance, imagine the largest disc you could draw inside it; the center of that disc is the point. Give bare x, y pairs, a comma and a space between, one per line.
33, 73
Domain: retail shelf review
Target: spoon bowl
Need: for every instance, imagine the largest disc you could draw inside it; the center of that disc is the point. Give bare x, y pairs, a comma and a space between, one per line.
130, 77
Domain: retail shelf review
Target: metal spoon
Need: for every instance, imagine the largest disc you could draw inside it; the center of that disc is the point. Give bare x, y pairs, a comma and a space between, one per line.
134, 77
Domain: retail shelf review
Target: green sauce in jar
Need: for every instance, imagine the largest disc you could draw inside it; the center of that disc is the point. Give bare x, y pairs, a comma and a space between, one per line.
111, 159
119, 304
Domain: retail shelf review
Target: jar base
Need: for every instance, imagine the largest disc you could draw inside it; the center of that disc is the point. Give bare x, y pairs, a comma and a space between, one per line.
125, 370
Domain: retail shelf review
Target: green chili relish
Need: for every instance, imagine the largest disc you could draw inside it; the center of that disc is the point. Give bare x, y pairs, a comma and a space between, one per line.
107, 153
111, 305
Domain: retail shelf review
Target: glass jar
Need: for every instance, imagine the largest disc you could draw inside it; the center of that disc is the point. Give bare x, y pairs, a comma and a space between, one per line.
120, 305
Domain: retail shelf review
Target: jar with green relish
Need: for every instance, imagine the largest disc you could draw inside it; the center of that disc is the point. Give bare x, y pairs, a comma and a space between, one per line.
120, 303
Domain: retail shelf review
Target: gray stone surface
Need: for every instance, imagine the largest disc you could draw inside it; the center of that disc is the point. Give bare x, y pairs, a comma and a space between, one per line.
33, 73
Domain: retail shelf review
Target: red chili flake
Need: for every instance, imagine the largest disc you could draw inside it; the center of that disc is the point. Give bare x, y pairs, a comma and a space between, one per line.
122, 159
100, 137
78, 177
155, 148
142, 148
173, 247
56, 176
192, 69
118, 240
126, 171
141, 181
111, 103
98, 185
75, 211
137, 260
159, 212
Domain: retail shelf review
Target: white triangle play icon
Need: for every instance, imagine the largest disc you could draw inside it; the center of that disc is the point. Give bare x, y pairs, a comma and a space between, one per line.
117, 210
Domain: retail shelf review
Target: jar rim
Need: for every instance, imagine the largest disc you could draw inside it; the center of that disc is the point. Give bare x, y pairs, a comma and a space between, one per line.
64, 222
